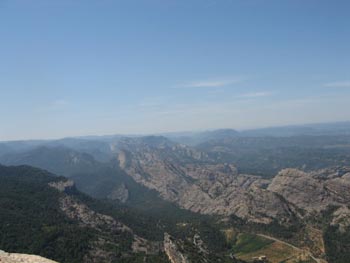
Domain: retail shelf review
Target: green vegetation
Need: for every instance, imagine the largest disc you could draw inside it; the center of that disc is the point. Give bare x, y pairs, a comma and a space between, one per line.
32, 222
337, 244
247, 243
30, 219
290, 232
142, 258
166, 217
266, 156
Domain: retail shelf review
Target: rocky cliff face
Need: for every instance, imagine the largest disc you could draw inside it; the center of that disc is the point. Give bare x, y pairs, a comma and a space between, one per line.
315, 191
173, 251
341, 218
188, 178
22, 258
187, 251
109, 229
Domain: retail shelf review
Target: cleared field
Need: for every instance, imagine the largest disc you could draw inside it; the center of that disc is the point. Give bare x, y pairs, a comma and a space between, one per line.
249, 246
248, 243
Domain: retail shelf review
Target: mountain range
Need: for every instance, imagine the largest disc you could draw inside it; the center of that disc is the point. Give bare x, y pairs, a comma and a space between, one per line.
216, 196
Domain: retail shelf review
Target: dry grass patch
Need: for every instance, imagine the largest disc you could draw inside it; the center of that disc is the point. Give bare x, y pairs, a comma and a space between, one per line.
276, 253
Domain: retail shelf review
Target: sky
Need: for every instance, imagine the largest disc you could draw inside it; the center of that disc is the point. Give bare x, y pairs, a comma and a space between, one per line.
83, 67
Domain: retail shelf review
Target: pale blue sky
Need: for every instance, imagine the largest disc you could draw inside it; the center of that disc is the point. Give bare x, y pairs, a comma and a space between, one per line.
79, 67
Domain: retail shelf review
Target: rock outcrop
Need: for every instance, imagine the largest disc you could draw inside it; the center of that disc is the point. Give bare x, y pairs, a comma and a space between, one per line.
341, 218
63, 186
107, 226
22, 258
120, 193
315, 191
195, 182
172, 250
188, 178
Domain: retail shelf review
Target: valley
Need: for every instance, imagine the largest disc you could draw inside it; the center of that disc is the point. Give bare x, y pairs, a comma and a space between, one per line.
154, 199
174, 131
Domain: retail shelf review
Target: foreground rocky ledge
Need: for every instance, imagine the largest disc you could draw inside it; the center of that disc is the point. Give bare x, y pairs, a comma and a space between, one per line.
22, 258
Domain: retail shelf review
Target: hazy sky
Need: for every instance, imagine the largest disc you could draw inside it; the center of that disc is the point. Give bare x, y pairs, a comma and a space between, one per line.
79, 67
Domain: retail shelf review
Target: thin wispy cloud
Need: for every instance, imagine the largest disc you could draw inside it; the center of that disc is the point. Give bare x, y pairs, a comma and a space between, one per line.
211, 83
255, 94
338, 84
58, 104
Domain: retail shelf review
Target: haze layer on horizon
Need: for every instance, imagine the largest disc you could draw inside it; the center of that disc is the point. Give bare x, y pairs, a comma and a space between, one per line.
74, 68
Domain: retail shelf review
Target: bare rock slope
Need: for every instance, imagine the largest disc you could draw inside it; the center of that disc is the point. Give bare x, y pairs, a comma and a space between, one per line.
192, 180
187, 177
313, 191
22, 258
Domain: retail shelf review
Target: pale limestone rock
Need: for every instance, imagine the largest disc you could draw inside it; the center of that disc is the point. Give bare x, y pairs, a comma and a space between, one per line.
341, 218
313, 192
120, 193
63, 186
172, 251
22, 258
203, 187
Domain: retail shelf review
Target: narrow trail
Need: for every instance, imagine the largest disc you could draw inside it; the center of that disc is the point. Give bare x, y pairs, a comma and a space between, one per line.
294, 247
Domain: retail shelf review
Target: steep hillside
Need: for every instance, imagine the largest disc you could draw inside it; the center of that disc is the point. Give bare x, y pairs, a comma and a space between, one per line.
291, 205
95, 178
57, 160
189, 178
46, 215
315, 191
157, 186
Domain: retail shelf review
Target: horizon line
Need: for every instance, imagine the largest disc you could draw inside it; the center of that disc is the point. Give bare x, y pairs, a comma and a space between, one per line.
173, 132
